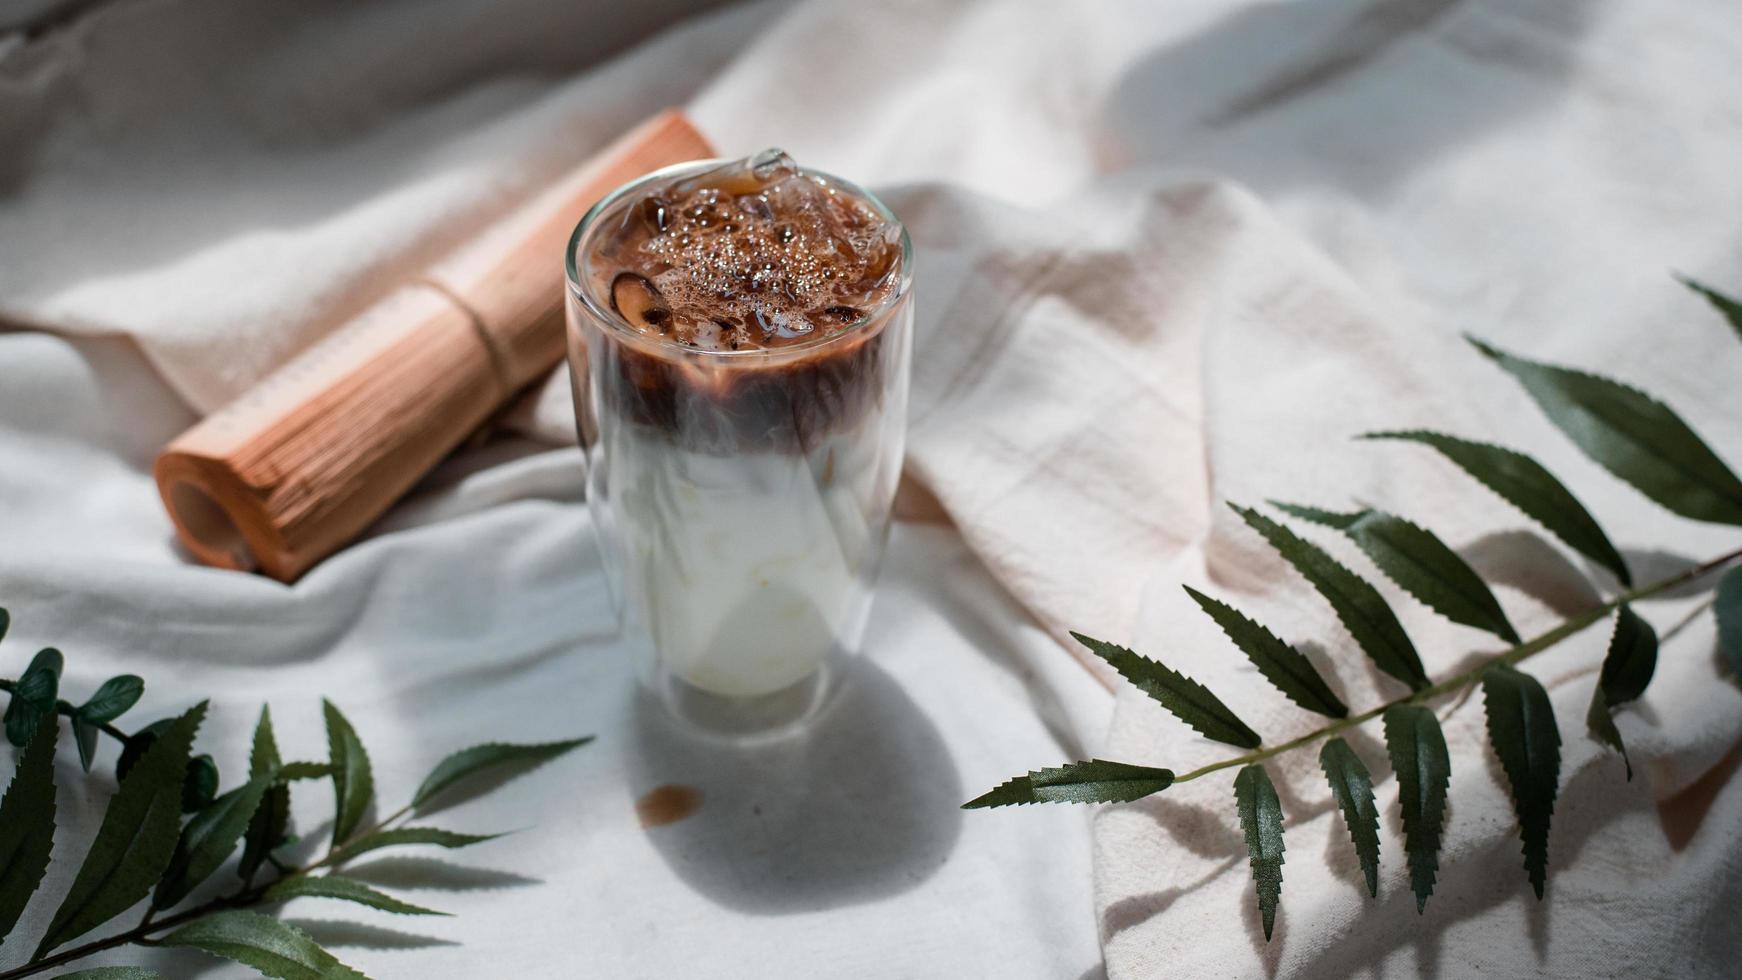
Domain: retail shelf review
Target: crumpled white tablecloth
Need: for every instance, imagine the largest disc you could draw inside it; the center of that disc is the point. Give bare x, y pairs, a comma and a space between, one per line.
1170, 254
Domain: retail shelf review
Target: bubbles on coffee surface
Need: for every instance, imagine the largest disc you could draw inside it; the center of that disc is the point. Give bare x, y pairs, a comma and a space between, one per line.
749, 255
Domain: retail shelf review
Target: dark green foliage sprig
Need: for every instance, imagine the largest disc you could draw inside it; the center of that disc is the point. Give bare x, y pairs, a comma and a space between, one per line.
167, 830
1627, 668
1629, 433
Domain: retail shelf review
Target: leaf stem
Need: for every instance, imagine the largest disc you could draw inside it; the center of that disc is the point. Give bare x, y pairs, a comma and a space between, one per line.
340, 854
1521, 652
138, 934
249, 895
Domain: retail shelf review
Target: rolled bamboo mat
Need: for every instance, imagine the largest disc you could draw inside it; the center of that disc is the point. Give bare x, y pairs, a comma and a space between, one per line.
309, 457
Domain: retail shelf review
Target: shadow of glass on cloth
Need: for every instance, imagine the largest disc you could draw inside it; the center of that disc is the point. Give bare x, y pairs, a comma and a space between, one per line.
1427, 74
861, 805
980, 609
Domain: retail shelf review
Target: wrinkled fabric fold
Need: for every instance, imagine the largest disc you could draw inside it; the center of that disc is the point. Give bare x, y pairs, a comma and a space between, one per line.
1169, 257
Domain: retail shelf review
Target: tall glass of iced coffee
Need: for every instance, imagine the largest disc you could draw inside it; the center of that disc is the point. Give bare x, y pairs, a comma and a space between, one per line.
739, 338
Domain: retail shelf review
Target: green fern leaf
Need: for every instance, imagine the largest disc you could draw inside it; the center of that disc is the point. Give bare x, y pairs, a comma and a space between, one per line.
1728, 609
353, 779
404, 836
1281, 664
1521, 728
262, 943
270, 825
1528, 485
1420, 563
209, 838
1424, 768
1627, 669
1352, 785
1190, 701
27, 825
1731, 309
343, 889
1261, 819
136, 840
1094, 781
1633, 436
1360, 607
479, 759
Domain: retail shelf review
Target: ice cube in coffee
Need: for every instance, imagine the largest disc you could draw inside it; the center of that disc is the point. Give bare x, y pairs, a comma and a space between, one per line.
739, 338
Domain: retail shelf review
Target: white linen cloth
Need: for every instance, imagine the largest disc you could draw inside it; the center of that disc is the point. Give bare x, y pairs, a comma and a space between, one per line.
1169, 255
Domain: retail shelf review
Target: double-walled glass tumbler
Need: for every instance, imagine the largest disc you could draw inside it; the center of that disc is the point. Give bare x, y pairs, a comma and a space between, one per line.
741, 496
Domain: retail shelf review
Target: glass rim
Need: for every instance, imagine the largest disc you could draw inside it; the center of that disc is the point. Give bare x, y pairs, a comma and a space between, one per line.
615, 323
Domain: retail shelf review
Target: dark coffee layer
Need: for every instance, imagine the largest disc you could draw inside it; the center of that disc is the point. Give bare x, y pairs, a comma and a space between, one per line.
723, 407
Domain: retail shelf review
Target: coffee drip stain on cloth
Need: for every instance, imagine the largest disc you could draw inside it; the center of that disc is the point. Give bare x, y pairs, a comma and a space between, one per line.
667, 804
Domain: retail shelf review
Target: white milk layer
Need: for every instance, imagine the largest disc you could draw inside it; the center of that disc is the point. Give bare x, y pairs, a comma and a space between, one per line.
747, 570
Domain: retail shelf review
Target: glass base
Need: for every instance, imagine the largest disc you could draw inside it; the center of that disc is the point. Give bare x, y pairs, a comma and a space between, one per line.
762, 718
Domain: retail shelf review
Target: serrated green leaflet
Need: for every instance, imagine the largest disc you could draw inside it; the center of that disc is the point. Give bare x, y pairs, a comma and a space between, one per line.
290, 772
480, 759
1094, 781
136, 840
1521, 728
270, 824
110, 702
1633, 436
344, 889
1418, 756
1728, 609
136, 745
1352, 786
27, 825
401, 836
265, 944
34, 696
1529, 486
1261, 819
1360, 607
1600, 722
1189, 701
209, 838
113, 973
1731, 309
1420, 563
353, 780
1281, 664
1632, 657
1627, 669
1015, 791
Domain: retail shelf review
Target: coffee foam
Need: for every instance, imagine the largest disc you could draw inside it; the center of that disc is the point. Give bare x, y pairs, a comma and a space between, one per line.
749, 255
